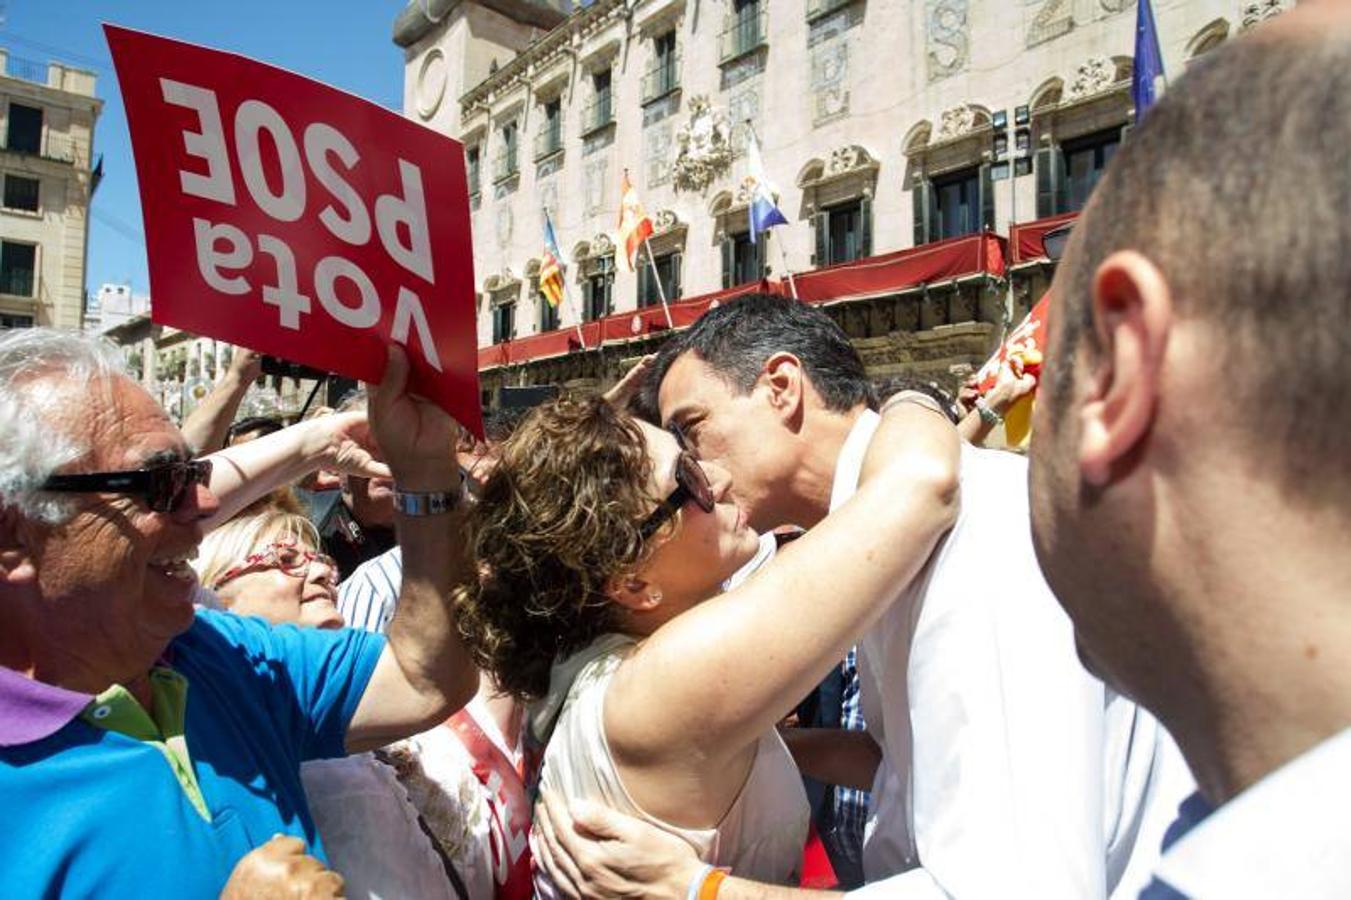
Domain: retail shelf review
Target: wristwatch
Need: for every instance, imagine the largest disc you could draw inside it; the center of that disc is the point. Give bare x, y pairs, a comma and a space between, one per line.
427, 503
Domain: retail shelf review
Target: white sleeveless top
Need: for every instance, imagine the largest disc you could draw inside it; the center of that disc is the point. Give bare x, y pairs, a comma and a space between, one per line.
763, 833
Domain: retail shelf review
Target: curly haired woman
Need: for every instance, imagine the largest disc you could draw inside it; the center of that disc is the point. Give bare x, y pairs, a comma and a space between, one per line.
603, 544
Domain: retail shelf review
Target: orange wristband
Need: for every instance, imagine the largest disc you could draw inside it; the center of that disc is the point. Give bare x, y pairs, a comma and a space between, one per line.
709, 889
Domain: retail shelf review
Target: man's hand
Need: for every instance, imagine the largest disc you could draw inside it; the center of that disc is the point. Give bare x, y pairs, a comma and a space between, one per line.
246, 365
281, 870
342, 444
1012, 384
592, 851
628, 387
415, 435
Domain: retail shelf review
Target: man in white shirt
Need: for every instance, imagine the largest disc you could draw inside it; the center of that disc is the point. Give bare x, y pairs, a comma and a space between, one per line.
1191, 474
1007, 770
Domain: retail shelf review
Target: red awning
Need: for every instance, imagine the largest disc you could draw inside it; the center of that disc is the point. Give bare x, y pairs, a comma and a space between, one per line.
1025, 237
892, 273
874, 276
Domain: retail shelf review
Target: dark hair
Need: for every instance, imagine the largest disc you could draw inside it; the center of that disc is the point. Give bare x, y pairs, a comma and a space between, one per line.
888, 387
262, 424
1237, 187
558, 518
735, 341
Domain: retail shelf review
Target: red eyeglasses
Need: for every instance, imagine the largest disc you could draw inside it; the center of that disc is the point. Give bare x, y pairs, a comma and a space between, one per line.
286, 555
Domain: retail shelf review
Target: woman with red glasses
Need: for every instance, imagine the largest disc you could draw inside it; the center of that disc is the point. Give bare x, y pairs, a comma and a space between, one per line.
603, 544
269, 565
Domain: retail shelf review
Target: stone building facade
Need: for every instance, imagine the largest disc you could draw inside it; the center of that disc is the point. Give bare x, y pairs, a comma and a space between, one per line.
47, 117
894, 132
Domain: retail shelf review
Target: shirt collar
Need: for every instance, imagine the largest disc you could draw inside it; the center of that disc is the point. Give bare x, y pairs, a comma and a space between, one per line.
31, 710
849, 464
1284, 836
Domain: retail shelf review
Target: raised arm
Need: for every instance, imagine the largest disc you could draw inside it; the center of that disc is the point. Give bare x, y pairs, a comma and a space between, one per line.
243, 474
712, 680
424, 674
205, 426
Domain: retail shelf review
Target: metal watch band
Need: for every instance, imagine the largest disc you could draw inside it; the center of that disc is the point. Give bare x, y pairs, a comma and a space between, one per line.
426, 503
988, 415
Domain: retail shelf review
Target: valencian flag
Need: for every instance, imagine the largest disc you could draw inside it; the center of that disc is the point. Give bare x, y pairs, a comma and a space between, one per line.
550, 269
764, 213
634, 225
1148, 60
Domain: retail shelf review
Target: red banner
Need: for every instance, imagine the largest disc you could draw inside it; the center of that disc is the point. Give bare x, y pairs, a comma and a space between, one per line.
295, 219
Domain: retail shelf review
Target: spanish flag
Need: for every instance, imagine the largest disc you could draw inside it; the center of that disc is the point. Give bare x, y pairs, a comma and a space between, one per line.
550, 269
634, 225
1023, 350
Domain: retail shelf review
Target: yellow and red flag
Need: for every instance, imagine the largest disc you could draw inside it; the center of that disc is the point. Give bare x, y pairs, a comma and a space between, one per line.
634, 225
550, 269
1023, 350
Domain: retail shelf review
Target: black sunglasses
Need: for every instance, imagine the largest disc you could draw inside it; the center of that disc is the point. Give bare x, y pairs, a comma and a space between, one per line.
1053, 242
165, 486
691, 484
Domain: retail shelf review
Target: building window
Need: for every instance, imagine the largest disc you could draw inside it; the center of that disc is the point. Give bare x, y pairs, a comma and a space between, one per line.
21, 193
548, 313
844, 232
1067, 174
600, 112
668, 270
508, 162
664, 75
742, 261
473, 169
504, 322
25, 129
744, 30
598, 289
952, 205
9, 321
18, 268
550, 138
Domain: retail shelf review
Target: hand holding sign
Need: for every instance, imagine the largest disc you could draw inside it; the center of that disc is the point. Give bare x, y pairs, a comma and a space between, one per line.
416, 437
299, 221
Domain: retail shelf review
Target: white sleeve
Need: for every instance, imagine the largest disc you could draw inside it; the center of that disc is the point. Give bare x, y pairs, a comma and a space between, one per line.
1007, 778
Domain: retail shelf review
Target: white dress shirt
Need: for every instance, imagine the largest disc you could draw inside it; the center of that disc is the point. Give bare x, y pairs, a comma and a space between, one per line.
1007, 771
1289, 835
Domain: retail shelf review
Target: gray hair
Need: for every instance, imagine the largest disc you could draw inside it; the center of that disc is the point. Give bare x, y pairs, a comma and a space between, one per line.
34, 362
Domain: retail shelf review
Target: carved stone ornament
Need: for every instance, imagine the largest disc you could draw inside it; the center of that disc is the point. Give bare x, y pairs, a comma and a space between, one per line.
845, 159
703, 147
664, 220
1097, 74
1256, 13
956, 122
601, 245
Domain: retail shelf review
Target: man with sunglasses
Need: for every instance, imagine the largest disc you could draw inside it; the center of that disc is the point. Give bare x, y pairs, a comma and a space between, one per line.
145, 747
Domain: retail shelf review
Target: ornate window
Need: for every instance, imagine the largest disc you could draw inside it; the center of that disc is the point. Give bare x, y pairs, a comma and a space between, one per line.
951, 185
508, 156
595, 266
663, 75
838, 193
504, 321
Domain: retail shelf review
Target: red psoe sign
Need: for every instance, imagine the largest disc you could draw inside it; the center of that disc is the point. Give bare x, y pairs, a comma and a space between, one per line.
295, 219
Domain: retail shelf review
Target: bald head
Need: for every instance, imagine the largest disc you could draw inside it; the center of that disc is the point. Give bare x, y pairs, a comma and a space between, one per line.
1237, 187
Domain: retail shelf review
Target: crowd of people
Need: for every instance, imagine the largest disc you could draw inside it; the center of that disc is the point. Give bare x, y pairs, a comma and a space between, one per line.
749, 625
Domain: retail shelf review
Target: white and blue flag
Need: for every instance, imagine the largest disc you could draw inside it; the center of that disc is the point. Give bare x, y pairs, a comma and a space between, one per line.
764, 213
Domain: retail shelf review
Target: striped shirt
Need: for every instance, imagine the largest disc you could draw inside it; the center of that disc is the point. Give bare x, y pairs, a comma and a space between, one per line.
368, 597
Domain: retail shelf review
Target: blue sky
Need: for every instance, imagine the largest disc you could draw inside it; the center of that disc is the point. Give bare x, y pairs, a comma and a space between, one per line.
345, 43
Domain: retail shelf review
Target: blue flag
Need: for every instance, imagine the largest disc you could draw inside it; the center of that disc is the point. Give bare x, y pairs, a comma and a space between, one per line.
764, 214
1148, 60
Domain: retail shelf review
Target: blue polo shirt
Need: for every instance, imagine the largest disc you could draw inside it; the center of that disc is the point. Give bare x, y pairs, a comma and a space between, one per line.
87, 811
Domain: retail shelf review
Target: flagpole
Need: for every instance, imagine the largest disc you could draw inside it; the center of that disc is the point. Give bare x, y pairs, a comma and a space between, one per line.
783, 255
656, 276
567, 295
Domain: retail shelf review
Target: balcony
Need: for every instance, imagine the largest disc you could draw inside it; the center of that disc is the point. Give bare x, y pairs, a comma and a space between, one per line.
506, 166
598, 114
549, 141
662, 79
743, 33
817, 9
25, 69
60, 148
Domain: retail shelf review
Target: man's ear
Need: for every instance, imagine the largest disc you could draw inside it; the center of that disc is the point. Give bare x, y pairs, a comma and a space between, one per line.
782, 374
1132, 319
16, 559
